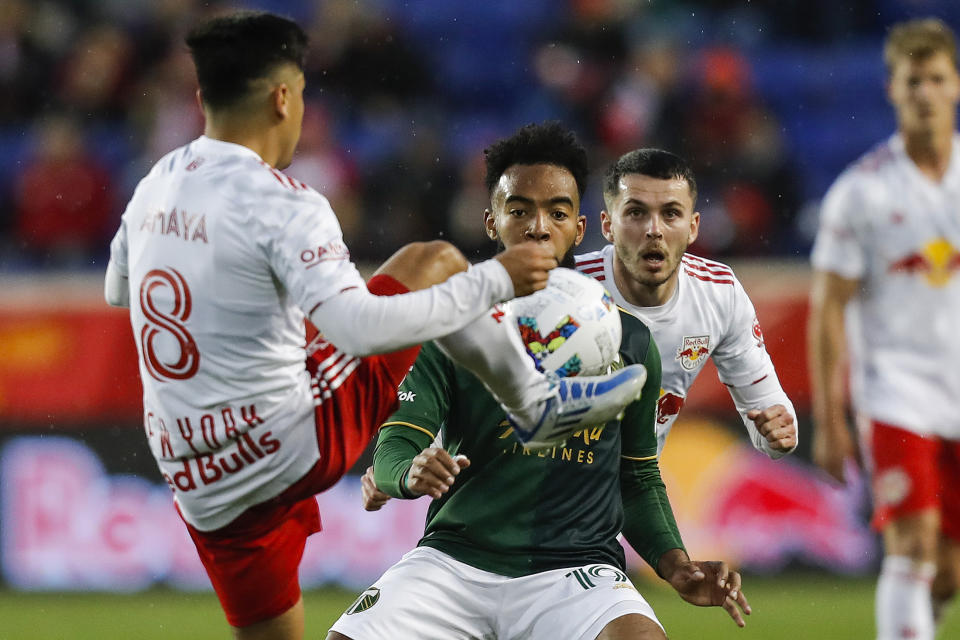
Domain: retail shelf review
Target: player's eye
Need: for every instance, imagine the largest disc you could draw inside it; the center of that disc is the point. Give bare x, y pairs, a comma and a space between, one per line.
560, 214
517, 212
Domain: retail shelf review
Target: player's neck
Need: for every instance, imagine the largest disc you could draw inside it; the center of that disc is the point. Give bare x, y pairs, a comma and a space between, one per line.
258, 139
930, 151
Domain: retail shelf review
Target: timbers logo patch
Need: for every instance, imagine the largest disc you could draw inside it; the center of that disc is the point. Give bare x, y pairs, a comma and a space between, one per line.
366, 600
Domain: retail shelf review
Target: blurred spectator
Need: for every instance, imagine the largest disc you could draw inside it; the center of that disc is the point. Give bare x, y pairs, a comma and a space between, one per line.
93, 78
467, 207
165, 109
63, 199
752, 95
579, 63
323, 164
734, 144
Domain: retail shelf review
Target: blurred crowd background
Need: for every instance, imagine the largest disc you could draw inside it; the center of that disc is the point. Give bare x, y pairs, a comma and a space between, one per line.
768, 100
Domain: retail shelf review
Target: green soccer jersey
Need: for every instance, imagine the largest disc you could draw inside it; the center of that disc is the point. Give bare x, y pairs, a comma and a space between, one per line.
515, 512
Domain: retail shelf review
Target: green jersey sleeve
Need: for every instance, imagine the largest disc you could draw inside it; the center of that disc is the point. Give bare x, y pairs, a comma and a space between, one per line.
639, 425
649, 525
426, 399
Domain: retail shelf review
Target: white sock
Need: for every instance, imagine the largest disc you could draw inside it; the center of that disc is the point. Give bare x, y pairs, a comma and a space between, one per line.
904, 608
491, 349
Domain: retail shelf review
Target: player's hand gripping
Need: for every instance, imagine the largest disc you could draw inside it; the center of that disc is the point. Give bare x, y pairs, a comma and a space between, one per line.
529, 265
776, 425
705, 583
373, 498
433, 472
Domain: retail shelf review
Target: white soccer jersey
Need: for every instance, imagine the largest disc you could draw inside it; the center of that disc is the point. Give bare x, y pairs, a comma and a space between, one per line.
886, 224
223, 256
216, 297
709, 316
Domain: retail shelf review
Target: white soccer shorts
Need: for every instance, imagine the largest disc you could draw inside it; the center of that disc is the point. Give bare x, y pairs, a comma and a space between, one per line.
430, 596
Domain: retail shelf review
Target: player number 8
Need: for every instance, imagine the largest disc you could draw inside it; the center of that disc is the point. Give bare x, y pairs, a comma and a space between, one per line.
171, 322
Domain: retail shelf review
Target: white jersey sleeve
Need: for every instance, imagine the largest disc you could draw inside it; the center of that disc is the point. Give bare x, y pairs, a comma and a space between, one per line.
839, 247
302, 241
116, 288
744, 366
304, 246
361, 323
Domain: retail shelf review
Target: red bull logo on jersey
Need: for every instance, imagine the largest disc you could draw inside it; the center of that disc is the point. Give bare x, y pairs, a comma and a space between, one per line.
757, 332
668, 405
936, 261
693, 352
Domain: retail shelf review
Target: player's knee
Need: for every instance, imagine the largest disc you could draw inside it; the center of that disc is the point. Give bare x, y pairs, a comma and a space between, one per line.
421, 264
944, 586
915, 536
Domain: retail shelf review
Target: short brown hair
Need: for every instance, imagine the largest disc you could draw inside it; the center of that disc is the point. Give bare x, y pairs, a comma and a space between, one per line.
919, 39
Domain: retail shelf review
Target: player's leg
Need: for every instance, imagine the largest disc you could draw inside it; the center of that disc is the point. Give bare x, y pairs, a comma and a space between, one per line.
579, 603
253, 563
287, 626
490, 347
427, 594
947, 581
419, 265
632, 627
907, 511
904, 598
944, 587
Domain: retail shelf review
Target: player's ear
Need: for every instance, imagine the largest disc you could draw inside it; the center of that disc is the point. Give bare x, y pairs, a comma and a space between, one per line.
280, 97
694, 227
490, 223
199, 95
581, 228
605, 226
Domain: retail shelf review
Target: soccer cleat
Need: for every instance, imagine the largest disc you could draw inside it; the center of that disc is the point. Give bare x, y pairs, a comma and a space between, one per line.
577, 403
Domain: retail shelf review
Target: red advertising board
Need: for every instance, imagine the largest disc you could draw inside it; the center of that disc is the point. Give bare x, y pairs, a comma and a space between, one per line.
66, 358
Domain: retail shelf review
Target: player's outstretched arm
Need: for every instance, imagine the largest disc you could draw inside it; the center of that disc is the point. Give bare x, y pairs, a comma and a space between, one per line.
705, 583
833, 442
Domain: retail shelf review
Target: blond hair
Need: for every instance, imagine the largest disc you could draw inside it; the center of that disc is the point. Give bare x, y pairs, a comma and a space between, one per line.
919, 39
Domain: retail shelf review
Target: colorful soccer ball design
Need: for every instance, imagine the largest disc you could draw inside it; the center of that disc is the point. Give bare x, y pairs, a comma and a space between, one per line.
572, 327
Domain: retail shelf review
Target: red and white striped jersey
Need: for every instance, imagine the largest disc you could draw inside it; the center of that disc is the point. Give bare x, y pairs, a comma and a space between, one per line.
223, 254
886, 224
709, 316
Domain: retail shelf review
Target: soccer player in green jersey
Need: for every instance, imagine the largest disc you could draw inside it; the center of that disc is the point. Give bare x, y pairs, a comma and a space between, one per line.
522, 543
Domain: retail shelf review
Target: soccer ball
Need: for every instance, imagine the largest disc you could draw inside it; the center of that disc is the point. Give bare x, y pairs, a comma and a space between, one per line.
570, 328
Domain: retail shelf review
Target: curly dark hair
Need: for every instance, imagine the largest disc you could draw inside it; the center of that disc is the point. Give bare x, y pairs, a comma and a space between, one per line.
547, 143
231, 51
655, 163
